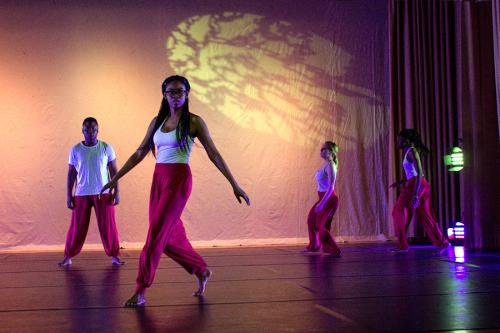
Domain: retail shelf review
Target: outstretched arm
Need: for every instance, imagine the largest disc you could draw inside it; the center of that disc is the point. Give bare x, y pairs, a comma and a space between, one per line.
133, 160
201, 131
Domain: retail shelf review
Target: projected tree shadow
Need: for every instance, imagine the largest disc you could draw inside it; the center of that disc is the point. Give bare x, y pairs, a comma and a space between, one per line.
266, 76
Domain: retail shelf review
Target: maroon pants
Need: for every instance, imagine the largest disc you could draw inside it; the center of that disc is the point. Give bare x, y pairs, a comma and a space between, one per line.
169, 194
403, 212
319, 225
80, 219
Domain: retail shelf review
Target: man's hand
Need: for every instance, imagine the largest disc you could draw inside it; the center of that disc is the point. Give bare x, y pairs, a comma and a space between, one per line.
70, 202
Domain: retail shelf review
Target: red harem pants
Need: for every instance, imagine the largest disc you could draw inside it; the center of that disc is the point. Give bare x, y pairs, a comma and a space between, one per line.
80, 219
169, 194
403, 212
319, 225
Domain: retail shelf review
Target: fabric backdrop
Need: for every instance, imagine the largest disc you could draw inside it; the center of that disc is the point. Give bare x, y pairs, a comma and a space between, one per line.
272, 79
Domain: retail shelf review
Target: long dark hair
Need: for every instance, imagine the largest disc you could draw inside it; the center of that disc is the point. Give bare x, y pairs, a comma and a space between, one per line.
334, 148
182, 130
413, 137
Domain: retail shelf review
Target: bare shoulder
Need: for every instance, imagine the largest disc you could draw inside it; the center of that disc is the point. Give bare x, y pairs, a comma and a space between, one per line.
152, 124
413, 152
330, 166
195, 119
153, 121
198, 127
197, 122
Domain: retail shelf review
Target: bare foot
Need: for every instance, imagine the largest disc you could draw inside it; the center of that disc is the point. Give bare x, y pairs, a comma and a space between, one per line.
65, 262
443, 249
310, 250
116, 261
202, 282
398, 250
137, 300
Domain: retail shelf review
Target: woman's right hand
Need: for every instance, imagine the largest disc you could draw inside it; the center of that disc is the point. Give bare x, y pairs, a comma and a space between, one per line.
397, 184
111, 185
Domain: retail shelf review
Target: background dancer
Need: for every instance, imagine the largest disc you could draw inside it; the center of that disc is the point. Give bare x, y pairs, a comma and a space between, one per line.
415, 196
321, 214
91, 163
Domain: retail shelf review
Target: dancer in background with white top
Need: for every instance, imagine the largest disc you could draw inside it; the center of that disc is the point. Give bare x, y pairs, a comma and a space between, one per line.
415, 196
321, 214
91, 163
173, 131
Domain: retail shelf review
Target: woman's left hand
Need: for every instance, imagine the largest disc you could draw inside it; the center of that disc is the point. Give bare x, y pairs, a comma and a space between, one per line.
319, 207
239, 193
415, 202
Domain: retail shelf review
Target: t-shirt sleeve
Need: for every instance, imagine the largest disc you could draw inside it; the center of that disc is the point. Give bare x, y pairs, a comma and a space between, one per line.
72, 156
110, 152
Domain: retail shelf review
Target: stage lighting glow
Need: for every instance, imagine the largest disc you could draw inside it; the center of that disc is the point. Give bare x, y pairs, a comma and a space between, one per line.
454, 160
456, 234
459, 254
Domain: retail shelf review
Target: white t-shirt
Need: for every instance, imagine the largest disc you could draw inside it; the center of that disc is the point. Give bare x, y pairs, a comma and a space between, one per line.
91, 164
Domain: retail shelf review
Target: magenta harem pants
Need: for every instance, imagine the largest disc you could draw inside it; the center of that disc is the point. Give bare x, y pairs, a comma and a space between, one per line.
169, 194
319, 224
80, 219
403, 212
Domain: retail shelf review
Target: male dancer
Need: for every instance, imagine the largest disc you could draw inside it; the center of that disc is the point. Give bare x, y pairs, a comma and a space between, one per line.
92, 163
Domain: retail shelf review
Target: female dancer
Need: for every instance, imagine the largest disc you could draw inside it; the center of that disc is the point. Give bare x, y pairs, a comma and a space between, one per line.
173, 131
321, 214
415, 195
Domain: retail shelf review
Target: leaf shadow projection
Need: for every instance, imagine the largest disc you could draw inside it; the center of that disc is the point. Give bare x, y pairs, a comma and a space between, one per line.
267, 76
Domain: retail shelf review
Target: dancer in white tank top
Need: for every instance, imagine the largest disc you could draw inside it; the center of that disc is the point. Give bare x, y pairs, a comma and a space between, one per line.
321, 214
173, 132
415, 195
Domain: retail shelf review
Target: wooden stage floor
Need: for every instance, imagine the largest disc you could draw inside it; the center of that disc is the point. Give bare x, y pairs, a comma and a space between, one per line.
267, 289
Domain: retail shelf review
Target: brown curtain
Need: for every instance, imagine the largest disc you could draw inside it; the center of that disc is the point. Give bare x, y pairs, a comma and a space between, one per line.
481, 180
442, 84
424, 93
496, 45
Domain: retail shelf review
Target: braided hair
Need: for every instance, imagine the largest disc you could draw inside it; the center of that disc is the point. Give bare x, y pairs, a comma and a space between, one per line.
413, 137
182, 130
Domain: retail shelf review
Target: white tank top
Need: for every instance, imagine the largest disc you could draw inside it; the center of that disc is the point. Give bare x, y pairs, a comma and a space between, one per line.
408, 166
169, 150
322, 178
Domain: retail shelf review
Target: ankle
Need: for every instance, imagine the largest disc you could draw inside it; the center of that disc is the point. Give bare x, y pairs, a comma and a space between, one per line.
201, 275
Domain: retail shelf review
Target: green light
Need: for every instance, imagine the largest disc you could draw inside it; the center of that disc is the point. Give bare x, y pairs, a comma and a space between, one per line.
454, 160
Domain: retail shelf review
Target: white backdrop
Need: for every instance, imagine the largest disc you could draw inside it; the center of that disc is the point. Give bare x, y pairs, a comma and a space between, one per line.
273, 81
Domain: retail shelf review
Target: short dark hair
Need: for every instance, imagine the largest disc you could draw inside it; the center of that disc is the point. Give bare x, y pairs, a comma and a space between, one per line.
89, 120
